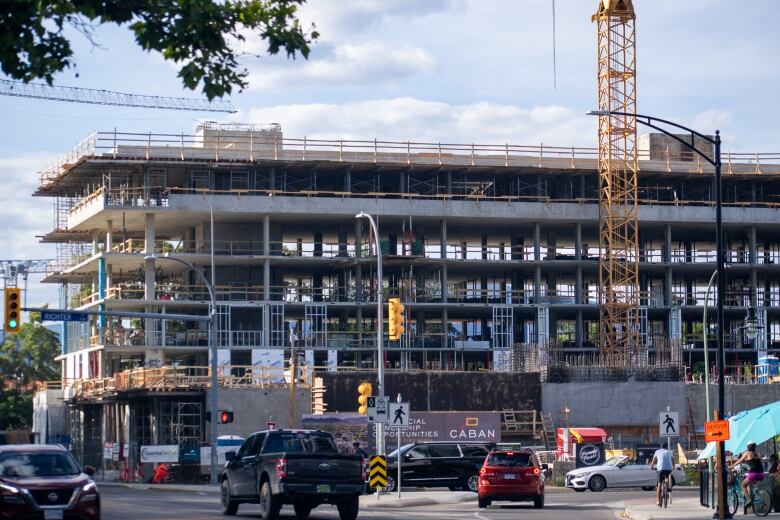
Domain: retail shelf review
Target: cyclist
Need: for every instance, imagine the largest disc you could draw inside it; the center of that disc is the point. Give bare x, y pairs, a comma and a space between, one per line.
662, 461
755, 471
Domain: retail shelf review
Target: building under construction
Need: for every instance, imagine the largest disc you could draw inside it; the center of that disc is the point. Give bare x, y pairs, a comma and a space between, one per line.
492, 249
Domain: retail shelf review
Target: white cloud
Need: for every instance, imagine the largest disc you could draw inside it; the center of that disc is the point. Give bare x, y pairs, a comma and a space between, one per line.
406, 118
26, 217
353, 63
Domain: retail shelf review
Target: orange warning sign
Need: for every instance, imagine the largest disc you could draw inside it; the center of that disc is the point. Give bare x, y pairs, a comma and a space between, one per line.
716, 431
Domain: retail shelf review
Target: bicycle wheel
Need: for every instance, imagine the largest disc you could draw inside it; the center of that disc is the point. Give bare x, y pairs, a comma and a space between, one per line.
732, 501
762, 502
665, 494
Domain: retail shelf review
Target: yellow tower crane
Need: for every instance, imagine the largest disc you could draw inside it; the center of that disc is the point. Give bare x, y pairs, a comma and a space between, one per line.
619, 341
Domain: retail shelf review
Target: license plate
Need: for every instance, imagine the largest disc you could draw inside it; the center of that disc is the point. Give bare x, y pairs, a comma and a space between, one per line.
509, 476
321, 488
53, 514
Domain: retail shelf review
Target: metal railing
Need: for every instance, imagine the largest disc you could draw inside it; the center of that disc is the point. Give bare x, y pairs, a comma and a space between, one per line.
249, 148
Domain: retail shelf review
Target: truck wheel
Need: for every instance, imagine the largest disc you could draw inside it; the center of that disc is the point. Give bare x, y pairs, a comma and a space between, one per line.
269, 504
348, 509
302, 509
229, 507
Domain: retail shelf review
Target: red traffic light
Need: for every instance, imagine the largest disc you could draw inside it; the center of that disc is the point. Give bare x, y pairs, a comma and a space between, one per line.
225, 416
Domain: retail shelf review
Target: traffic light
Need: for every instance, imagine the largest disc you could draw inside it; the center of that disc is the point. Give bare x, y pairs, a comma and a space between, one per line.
13, 310
395, 317
225, 416
365, 390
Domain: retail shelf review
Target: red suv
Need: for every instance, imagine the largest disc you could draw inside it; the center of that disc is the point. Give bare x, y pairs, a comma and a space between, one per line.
514, 476
43, 482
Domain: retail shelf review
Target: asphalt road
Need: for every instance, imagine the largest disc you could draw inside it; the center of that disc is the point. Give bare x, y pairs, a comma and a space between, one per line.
128, 504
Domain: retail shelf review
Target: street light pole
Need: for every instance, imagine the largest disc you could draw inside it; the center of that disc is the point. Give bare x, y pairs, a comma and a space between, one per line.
213, 352
380, 427
715, 161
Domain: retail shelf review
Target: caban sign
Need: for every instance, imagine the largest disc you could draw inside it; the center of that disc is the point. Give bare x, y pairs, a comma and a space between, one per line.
163, 453
590, 455
445, 427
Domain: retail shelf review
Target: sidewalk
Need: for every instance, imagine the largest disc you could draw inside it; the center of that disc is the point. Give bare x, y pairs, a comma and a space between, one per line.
679, 509
410, 498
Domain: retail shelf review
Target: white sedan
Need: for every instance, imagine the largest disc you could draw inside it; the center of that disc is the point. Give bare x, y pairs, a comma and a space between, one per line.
618, 472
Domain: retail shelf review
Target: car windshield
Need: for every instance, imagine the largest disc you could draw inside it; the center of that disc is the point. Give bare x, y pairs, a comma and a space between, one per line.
614, 461
509, 460
306, 442
40, 464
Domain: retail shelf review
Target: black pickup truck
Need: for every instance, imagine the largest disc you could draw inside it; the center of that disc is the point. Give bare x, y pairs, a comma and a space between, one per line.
298, 467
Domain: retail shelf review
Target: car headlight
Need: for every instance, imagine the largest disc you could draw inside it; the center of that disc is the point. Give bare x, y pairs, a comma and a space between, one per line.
89, 493
11, 494
580, 475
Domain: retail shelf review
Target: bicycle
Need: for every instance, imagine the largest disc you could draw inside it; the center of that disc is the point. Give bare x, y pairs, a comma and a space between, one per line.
666, 496
760, 497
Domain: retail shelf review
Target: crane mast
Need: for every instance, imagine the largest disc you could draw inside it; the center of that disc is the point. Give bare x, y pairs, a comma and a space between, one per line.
619, 332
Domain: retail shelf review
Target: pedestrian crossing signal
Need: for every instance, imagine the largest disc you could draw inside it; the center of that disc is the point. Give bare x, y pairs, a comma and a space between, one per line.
364, 391
225, 416
13, 310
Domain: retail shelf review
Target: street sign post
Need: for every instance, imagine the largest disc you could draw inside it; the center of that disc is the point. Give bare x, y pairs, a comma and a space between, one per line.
63, 316
716, 431
376, 409
398, 415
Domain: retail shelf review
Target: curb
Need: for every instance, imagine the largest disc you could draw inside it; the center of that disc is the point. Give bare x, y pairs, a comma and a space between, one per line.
418, 502
161, 487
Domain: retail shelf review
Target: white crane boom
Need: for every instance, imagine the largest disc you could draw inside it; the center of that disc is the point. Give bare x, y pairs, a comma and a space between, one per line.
108, 97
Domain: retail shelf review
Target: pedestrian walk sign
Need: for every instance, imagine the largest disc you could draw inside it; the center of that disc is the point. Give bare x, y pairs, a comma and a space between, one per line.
668, 424
377, 472
398, 415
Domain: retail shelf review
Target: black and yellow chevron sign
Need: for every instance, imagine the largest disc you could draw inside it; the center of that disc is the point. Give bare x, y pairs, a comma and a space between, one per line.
377, 472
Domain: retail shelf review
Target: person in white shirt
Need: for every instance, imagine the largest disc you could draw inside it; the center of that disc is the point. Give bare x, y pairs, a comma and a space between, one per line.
662, 461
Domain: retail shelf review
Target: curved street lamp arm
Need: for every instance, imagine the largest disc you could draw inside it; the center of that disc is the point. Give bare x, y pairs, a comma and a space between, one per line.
200, 272
648, 121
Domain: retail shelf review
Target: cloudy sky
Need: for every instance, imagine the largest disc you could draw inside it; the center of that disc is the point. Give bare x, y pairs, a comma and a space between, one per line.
434, 70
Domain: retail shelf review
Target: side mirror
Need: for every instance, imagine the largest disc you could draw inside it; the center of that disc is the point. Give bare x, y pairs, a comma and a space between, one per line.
89, 471
229, 456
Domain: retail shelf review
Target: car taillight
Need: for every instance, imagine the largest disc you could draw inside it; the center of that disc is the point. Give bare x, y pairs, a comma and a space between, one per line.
536, 471
281, 468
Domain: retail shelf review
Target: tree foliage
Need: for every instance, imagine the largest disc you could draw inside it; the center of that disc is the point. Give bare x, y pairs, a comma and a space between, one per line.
25, 358
200, 35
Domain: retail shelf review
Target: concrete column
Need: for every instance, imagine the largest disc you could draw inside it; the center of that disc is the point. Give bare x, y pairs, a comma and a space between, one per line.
578, 241
668, 243
348, 180
668, 287
537, 242
358, 267
753, 261
266, 254
149, 284
109, 236
579, 330
443, 239
402, 182
537, 258
578, 285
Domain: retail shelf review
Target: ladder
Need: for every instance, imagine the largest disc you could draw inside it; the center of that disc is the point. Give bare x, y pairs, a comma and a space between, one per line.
548, 431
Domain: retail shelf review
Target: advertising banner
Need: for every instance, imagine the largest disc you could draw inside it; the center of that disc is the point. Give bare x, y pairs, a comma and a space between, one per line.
589, 454
163, 453
443, 427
